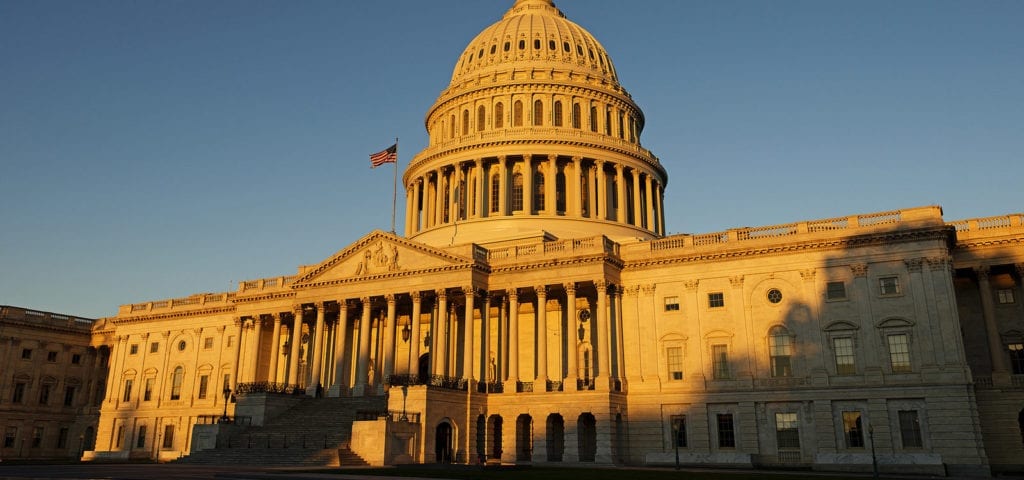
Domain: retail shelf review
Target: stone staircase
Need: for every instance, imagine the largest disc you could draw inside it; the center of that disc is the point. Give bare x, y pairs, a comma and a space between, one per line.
316, 432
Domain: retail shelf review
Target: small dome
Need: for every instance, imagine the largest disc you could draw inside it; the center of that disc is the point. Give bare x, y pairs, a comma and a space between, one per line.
534, 34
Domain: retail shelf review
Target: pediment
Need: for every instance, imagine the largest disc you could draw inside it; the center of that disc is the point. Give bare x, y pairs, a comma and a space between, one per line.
377, 255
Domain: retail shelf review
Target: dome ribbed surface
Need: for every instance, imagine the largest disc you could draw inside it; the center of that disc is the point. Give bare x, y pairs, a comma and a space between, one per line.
534, 34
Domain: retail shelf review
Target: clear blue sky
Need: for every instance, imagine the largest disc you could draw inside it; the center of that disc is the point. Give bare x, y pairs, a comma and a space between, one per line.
156, 149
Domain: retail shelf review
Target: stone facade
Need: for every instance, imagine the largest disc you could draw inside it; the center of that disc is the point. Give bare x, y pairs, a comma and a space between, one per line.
53, 375
534, 311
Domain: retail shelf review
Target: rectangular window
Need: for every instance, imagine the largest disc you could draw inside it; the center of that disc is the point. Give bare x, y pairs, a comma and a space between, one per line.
204, 383
679, 431
37, 437
154, 347
19, 393
889, 285
51, 357
787, 431
231, 340
899, 353
671, 304
1016, 358
208, 343
76, 359
26, 354
780, 348
147, 393
843, 348
133, 349
118, 441
716, 300
720, 361
168, 436
140, 439
675, 362
44, 393
853, 430
910, 429
10, 436
726, 434
69, 396
62, 438
835, 291
1004, 295
127, 390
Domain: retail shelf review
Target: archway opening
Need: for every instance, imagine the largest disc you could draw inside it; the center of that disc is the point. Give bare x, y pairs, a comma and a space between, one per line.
524, 438
586, 425
444, 443
555, 437
494, 425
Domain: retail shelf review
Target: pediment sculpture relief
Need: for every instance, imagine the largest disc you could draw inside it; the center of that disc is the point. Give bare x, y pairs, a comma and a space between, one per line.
380, 258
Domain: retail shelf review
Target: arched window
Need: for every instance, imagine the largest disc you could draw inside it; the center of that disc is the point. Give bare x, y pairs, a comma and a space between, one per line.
608, 121
557, 111
621, 130
499, 115
451, 126
176, 379
495, 192
517, 114
465, 123
585, 196
538, 113
538, 191
593, 118
460, 199
560, 192
780, 348
576, 115
517, 192
447, 204
480, 118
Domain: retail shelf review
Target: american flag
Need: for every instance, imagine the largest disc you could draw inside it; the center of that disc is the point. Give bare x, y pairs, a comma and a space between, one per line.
388, 155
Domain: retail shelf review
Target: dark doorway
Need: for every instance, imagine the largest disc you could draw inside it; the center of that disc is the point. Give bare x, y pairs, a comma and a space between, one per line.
556, 437
481, 439
423, 370
495, 427
444, 445
587, 428
524, 438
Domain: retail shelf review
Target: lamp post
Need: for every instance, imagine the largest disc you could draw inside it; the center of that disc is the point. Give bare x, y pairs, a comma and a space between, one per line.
675, 439
227, 396
406, 332
405, 396
874, 459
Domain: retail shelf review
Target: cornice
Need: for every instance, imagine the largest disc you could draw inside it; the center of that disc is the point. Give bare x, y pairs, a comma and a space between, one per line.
523, 87
555, 262
936, 233
263, 297
391, 276
14, 322
988, 242
172, 315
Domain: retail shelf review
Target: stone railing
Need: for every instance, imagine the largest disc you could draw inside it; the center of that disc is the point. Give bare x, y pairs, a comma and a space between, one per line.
261, 284
390, 415
269, 387
851, 222
46, 318
192, 301
988, 226
555, 249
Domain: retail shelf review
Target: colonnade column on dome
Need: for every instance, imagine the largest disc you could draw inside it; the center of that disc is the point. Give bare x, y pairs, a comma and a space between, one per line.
417, 204
318, 350
453, 185
389, 340
571, 349
503, 185
995, 344
620, 346
275, 349
660, 207
254, 362
439, 354
439, 197
502, 340
408, 210
550, 194
361, 382
528, 184
604, 365
542, 338
485, 341
636, 198
481, 184
649, 223
293, 351
602, 190
414, 347
591, 179
513, 341
339, 388
467, 349
572, 188
620, 194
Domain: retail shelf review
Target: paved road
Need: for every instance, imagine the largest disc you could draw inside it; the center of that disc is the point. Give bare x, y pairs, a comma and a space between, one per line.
160, 472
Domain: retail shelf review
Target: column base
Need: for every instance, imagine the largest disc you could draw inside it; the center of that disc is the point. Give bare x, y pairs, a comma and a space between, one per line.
360, 390
569, 384
511, 386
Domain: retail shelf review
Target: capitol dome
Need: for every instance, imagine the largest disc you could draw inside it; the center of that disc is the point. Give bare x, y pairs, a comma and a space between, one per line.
534, 137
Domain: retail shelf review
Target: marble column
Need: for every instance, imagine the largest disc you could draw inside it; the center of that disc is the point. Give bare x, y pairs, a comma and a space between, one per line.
389, 341
513, 340
602, 191
649, 221
995, 343
541, 342
439, 357
636, 198
254, 360
572, 188
275, 349
550, 186
604, 364
414, 338
318, 351
467, 349
361, 382
503, 186
481, 184
528, 184
293, 351
620, 193
341, 351
571, 337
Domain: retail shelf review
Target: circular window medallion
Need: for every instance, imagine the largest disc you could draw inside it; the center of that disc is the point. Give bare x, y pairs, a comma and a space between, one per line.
181, 345
774, 295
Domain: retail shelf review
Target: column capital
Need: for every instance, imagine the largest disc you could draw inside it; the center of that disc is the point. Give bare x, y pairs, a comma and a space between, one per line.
601, 286
982, 271
633, 291
390, 298
648, 289
415, 294
618, 167
1020, 268
577, 158
468, 290
442, 294
914, 264
512, 293
860, 270
736, 281
691, 285
365, 301
541, 290
808, 274
569, 287
552, 157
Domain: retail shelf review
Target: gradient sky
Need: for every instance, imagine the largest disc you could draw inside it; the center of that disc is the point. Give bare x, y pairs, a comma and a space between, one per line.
156, 149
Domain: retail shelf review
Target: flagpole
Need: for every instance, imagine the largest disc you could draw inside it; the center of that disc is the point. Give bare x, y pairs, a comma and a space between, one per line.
394, 193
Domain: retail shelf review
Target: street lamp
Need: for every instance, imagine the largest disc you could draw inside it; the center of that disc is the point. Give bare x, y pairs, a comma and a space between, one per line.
406, 333
405, 396
227, 397
676, 424
874, 459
